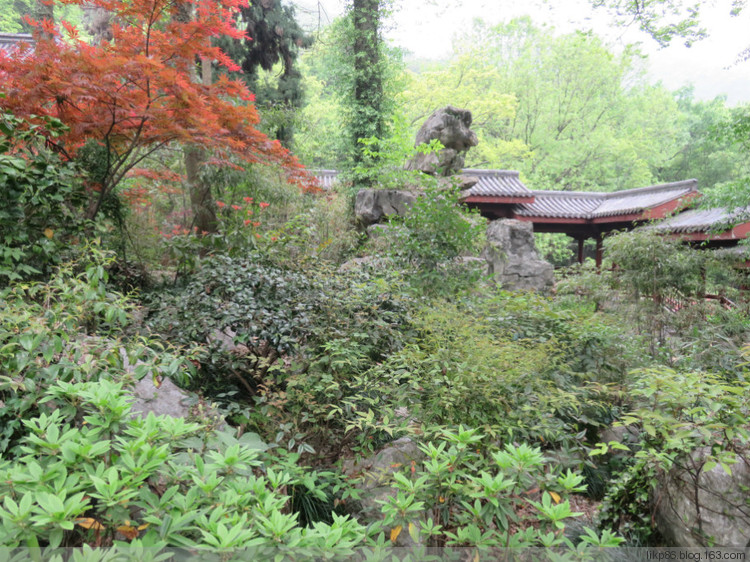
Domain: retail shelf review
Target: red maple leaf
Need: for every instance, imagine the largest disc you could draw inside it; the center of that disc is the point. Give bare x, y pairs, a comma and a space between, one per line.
134, 93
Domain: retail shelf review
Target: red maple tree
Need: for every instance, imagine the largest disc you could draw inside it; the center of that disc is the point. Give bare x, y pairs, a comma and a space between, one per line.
135, 93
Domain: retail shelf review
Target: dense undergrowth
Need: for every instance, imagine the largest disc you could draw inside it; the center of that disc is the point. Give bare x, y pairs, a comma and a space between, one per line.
312, 366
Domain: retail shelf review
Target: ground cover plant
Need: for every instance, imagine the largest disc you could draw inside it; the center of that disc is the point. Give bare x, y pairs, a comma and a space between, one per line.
346, 392
79, 469
313, 365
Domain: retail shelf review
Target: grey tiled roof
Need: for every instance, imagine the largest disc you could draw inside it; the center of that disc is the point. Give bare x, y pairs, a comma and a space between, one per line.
326, 178
638, 200
700, 220
8, 41
586, 205
561, 204
496, 183
491, 183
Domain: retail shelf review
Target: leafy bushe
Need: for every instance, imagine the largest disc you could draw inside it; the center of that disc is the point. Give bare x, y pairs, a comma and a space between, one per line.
134, 93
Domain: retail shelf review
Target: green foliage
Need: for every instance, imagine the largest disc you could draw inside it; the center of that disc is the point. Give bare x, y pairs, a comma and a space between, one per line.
665, 281
238, 301
238, 234
322, 231
431, 238
301, 343
560, 111
675, 415
554, 248
456, 83
566, 111
384, 159
10, 17
462, 496
13, 13
88, 472
732, 132
77, 468
649, 264
268, 60
361, 320
65, 331
710, 152
256, 212
650, 16
515, 367
584, 284
352, 77
42, 199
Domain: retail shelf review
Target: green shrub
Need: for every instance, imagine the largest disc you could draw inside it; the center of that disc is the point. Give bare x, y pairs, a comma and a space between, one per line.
265, 305
509, 497
512, 365
302, 341
675, 414
88, 473
323, 398
554, 248
41, 209
77, 468
57, 331
430, 240
322, 231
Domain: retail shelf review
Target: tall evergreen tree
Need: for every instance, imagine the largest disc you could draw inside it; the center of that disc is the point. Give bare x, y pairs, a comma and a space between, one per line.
275, 37
368, 80
366, 104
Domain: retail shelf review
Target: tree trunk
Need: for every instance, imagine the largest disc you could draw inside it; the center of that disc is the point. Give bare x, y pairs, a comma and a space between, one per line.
194, 156
98, 22
368, 79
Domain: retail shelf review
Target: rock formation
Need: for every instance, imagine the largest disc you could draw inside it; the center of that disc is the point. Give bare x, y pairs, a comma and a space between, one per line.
512, 258
372, 205
698, 508
450, 126
375, 476
165, 399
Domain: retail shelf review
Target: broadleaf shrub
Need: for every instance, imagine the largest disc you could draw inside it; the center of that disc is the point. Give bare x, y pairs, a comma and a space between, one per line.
292, 346
430, 240
90, 473
42, 201
69, 330
516, 367
675, 415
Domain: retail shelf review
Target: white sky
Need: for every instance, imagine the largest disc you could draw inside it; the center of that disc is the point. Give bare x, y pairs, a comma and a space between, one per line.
426, 27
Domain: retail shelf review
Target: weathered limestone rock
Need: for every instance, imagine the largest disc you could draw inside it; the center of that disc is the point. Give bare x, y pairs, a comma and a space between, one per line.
377, 472
225, 339
451, 126
163, 397
466, 182
512, 258
372, 205
696, 508
168, 399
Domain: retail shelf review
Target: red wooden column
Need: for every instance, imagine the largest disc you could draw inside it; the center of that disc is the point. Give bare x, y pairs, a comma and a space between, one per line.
599, 252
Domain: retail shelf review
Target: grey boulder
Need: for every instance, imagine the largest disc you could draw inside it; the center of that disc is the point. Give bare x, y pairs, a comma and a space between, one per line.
697, 508
165, 399
512, 258
452, 127
372, 205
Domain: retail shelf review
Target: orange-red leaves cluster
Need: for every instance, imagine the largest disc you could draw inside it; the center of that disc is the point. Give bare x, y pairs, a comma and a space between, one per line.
156, 175
138, 91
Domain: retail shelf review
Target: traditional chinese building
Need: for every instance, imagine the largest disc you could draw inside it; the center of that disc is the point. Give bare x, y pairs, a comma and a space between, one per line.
592, 215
